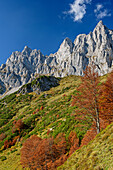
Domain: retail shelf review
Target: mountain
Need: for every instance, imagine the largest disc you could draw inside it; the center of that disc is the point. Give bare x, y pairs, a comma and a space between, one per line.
71, 59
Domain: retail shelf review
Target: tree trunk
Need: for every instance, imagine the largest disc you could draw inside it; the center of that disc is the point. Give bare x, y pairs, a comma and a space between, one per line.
98, 126
97, 115
97, 121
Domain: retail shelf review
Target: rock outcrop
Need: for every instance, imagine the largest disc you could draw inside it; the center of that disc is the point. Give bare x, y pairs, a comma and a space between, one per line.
41, 83
71, 59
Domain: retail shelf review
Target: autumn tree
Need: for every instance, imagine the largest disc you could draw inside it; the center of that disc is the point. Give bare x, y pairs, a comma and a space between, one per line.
19, 124
47, 152
29, 158
73, 142
61, 144
91, 133
38, 153
60, 149
87, 96
106, 99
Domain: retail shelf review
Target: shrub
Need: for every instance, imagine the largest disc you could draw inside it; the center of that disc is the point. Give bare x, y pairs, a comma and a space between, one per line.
19, 124
3, 158
13, 150
7, 144
41, 108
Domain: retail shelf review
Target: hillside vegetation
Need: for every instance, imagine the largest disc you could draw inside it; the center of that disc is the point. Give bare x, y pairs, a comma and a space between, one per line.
98, 154
39, 113
47, 115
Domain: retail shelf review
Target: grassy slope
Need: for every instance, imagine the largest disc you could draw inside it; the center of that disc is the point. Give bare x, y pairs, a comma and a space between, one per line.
13, 160
98, 154
57, 114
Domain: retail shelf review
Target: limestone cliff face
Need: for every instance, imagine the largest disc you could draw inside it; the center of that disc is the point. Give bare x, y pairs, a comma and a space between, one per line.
71, 59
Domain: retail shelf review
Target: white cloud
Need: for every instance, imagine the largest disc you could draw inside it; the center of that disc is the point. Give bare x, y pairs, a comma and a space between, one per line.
103, 14
100, 12
98, 7
78, 9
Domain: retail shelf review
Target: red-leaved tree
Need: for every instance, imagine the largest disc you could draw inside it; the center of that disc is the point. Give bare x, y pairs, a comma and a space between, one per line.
106, 99
38, 153
87, 96
29, 158
73, 142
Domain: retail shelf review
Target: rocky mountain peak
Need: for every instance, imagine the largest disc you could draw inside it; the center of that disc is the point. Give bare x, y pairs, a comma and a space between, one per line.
100, 23
101, 28
67, 41
26, 50
65, 48
70, 59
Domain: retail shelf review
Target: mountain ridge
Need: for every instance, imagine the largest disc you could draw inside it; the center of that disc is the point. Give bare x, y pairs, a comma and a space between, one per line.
70, 59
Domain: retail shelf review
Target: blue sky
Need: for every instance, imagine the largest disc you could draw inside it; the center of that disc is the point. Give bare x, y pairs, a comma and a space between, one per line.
43, 24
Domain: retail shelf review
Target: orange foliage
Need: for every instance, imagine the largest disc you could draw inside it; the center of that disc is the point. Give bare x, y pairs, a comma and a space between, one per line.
19, 124
41, 108
91, 133
87, 96
48, 132
34, 112
28, 152
9, 143
43, 153
73, 102
15, 140
106, 99
73, 142
53, 165
61, 144
57, 116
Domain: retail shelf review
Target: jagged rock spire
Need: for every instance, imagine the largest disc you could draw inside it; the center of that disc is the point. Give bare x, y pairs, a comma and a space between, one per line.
70, 59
